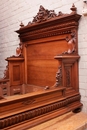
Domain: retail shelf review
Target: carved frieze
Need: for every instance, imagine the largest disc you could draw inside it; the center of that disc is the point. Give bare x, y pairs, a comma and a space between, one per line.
18, 118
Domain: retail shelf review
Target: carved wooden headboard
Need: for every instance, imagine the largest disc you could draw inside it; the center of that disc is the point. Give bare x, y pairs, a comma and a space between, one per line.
44, 72
48, 35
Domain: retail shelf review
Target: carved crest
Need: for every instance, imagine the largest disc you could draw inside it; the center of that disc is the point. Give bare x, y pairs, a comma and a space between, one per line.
44, 14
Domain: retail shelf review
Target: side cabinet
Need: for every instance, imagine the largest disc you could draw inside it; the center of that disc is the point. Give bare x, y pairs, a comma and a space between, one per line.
16, 73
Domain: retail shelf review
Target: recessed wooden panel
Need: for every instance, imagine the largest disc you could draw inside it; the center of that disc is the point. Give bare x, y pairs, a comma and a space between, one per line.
46, 50
16, 72
68, 76
42, 66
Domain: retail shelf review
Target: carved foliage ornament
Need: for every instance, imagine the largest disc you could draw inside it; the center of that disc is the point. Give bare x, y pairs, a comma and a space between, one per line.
45, 14
58, 77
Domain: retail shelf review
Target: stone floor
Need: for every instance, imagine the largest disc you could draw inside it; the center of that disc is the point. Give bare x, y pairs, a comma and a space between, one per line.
69, 121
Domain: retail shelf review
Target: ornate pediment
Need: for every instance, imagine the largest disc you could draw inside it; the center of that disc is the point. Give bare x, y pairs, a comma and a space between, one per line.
45, 14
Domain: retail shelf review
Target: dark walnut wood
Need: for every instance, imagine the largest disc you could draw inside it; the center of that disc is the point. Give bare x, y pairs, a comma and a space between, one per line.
43, 75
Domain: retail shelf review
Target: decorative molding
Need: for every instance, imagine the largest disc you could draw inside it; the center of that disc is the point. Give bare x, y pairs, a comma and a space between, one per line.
12, 120
39, 35
48, 24
58, 27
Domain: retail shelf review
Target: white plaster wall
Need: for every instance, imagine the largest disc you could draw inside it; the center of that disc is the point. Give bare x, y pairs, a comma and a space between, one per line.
12, 12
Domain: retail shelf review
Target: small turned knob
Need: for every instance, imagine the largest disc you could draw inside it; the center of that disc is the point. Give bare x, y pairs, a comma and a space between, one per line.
21, 25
